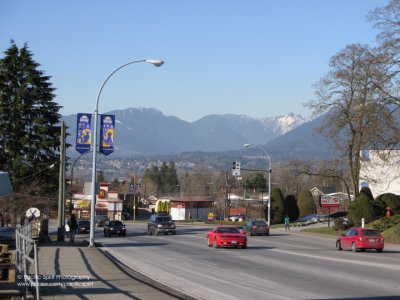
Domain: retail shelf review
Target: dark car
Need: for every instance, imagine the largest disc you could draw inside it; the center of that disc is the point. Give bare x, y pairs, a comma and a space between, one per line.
83, 226
100, 220
256, 227
160, 223
114, 227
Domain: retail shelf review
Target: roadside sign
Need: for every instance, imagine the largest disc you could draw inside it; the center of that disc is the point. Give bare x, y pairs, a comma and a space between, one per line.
329, 201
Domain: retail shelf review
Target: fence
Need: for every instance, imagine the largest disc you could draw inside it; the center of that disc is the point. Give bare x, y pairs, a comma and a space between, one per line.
24, 246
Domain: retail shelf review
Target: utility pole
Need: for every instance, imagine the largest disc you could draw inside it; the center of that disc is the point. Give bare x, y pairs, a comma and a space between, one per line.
61, 187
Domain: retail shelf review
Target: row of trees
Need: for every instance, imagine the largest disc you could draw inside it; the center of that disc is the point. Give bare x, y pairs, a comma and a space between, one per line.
161, 181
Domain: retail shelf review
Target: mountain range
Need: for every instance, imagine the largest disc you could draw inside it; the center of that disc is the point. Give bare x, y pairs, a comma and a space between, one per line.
147, 131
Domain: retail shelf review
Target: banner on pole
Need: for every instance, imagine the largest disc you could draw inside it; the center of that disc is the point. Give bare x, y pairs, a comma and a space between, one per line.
83, 133
107, 126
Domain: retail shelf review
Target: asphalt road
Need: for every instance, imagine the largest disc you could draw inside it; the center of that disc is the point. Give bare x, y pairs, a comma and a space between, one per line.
281, 266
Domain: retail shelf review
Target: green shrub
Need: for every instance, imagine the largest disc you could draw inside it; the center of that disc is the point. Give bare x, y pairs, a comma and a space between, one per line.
291, 208
306, 203
385, 223
387, 200
363, 207
339, 224
277, 206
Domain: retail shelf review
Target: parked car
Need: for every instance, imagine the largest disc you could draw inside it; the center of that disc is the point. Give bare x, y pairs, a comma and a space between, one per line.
256, 227
126, 216
226, 236
114, 227
237, 218
361, 239
160, 223
83, 226
100, 220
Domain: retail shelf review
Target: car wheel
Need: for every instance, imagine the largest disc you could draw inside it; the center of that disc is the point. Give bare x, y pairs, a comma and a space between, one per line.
149, 231
109, 234
157, 232
173, 232
244, 246
105, 233
124, 234
215, 244
379, 250
267, 234
119, 234
208, 242
353, 247
339, 245
235, 247
251, 233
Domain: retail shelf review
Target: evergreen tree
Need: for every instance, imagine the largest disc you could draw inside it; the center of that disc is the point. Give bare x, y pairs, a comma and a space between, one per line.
256, 182
277, 206
164, 178
306, 203
29, 119
291, 208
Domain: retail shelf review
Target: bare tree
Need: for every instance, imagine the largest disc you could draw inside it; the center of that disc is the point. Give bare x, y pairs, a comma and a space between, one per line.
356, 117
387, 20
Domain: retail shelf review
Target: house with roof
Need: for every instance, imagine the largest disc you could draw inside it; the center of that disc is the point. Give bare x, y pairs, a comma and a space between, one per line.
380, 171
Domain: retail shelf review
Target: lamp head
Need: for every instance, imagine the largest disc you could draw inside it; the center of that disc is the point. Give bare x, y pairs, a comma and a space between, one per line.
247, 145
155, 62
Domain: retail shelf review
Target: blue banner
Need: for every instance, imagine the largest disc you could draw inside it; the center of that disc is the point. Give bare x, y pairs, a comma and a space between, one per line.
107, 126
83, 133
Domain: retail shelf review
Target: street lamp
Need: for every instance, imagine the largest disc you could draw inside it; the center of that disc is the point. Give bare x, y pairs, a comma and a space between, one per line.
156, 63
269, 179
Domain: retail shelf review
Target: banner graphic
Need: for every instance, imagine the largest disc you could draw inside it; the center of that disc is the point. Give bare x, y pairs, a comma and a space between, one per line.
83, 133
107, 127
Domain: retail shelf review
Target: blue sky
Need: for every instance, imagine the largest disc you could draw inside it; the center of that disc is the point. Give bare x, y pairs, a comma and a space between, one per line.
258, 58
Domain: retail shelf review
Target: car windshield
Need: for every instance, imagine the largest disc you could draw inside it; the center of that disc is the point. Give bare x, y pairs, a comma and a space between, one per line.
115, 223
227, 230
370, 233
259, 223
162, 219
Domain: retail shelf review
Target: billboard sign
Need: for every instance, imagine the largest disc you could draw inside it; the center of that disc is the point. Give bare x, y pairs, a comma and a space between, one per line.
329, 201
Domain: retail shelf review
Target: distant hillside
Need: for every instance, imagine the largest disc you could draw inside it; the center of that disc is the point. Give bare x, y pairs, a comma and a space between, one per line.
144, 132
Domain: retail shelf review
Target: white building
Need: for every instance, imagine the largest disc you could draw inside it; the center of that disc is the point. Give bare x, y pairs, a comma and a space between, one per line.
380, 171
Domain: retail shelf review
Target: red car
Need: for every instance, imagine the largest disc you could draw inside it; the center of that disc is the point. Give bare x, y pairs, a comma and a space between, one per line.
361, 239
226, 236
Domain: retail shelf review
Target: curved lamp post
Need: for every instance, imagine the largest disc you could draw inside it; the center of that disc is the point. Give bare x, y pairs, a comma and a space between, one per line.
156, 63
269, 179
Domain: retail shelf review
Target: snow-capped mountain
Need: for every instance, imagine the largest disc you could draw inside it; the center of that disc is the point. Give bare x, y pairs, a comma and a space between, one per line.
147, 131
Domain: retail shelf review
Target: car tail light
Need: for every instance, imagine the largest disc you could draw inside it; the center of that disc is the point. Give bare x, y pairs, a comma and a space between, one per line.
254, 227
266, 227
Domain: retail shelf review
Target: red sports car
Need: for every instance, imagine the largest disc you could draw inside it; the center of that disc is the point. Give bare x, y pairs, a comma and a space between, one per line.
226, 236
361, 239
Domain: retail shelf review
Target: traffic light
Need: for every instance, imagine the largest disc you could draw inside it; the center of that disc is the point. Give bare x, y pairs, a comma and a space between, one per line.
236, 168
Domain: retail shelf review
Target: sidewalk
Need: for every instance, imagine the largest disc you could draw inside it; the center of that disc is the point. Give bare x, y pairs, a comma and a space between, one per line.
75, 271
